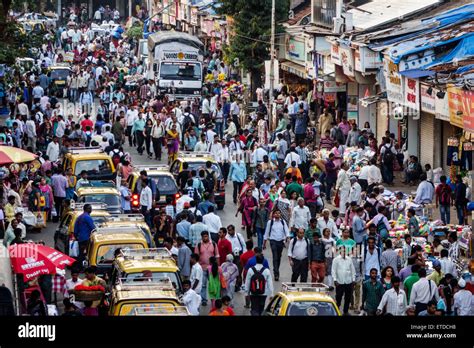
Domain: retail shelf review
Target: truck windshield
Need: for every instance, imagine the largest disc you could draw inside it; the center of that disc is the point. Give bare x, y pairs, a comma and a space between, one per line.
180, 71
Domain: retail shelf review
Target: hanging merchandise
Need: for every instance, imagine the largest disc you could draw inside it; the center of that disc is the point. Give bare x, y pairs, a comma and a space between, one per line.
466, 156
452, 158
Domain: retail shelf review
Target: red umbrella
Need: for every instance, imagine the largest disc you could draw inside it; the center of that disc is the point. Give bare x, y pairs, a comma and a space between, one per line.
33, 260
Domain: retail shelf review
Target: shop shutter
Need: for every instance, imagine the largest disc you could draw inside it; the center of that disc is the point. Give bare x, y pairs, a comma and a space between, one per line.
427, 139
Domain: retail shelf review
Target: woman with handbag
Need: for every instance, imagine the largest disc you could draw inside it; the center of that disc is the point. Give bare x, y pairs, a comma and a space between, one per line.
216, 281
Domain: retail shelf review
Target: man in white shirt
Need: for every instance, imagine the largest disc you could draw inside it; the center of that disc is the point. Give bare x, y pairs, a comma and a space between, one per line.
213, 222
38, 91
298, 257
278, 233
146, 200
326, 222
53, 150
300, 215
344, 275
71, 284
463, 300
258, 298
422, 292
196, 276
182, 203
393, 300
425, 191
343, 188
206, 108
447, 265
132, 115
191, 299
61, 128
213, 103
290, 157
236, 146
374, 175
210, 134
216, 150
202, 145
235, 112
356, 191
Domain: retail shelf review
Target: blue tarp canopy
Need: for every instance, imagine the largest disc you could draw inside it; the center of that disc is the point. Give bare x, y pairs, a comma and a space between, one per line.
416, 73
463, 50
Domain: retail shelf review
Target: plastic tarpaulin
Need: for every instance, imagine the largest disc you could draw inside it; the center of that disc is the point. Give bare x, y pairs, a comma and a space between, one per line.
463, 50
173, 36
416, 73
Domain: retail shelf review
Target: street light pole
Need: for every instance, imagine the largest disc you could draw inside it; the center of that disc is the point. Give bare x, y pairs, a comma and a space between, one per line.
272, 68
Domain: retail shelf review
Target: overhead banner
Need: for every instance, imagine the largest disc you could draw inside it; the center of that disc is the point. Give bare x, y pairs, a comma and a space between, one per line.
333, 86
468, 110
347, 60
412, 94
393, 81
335, 54
455, 106
428, 102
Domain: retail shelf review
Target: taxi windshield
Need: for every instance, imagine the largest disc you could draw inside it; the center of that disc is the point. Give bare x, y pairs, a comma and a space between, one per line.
164, 184
156, 276
105, 253
93, 167
109, 199
311, 308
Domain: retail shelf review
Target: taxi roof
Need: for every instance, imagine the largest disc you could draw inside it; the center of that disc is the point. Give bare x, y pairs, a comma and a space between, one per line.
89, 156
95, 212
307, 296
189, 156
138, 266
146, 293
98, 237
87, 190
306, 292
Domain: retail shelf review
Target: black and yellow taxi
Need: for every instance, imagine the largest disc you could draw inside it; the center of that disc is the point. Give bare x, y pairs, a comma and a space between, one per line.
303, 299
154, 264
163, 182
127, 221
93, 160
145, 297
100, 192
197, 161
104, 242
59, 74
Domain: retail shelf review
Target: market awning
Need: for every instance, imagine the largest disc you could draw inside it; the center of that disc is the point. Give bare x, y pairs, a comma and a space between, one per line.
365, 102
295, 69
417, 73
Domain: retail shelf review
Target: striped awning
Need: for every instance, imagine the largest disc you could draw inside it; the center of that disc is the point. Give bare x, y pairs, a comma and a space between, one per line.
295, 69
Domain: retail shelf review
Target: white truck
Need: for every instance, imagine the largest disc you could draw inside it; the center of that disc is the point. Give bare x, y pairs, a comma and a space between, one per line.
176, 64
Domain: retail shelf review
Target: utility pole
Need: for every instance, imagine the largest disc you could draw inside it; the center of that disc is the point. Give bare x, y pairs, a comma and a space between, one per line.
272, 68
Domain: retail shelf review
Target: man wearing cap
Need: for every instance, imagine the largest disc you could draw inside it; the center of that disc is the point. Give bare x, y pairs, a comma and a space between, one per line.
463, 300
437, 274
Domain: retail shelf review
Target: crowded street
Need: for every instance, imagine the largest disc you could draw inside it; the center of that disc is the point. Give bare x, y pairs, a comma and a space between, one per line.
160, 158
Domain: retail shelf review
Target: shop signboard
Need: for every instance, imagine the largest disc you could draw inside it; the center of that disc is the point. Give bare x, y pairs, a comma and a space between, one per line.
366, 59
412, 93
353, 107
441, 106
455, 95
330, 97
427, 100
335, 54
165, 17
347, 60
468, 110
333, 87
393, 82
295, 50
194, 15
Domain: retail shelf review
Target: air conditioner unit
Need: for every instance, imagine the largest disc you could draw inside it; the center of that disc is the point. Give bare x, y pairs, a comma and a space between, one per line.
338, 25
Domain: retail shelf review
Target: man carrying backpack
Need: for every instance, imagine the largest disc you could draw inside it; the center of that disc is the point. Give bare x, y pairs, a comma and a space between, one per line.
298, 251
278, 233
444, 200
387, 154
259, 286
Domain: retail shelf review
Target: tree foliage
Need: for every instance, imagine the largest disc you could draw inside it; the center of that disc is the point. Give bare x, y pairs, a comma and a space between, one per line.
250, 41
14, 41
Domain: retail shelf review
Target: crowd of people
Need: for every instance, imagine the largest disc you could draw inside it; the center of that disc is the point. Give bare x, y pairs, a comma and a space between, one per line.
281, 192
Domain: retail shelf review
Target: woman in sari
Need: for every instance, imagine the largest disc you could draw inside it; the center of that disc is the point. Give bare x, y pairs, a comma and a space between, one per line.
338, 151
48, 196
271, 196
248, 204
283, 204
172, 137
230, 272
